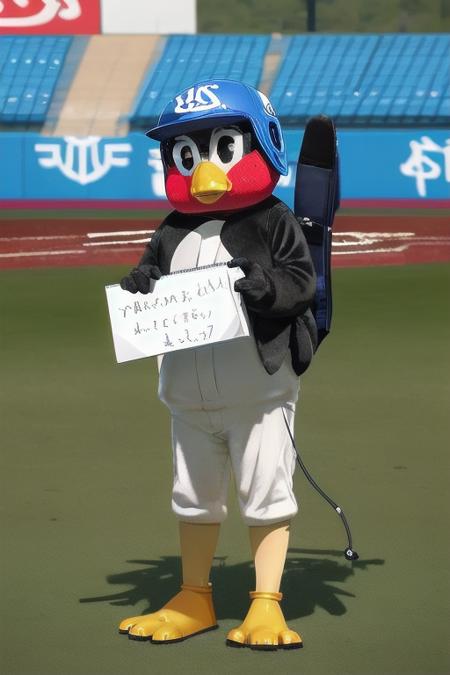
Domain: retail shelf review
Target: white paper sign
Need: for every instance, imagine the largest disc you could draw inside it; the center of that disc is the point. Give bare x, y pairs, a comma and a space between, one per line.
184, 310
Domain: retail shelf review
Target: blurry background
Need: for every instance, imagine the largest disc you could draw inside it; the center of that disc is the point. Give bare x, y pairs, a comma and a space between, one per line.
87, 533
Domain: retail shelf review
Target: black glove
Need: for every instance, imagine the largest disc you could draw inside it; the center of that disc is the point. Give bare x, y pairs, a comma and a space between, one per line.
139, 278
256, 286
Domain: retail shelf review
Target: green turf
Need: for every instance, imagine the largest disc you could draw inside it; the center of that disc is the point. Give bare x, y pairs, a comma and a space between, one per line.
87, 532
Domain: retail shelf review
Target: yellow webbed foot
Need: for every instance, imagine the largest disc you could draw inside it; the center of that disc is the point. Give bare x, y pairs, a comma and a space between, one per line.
188, 613
264, 627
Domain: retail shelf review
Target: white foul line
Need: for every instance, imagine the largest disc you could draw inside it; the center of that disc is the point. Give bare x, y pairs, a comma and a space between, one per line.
380, 235
123, 233
396, 249
117, 243
40, 253
42, 238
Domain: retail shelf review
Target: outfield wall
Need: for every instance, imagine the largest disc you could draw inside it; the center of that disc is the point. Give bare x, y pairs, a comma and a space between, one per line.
377, 166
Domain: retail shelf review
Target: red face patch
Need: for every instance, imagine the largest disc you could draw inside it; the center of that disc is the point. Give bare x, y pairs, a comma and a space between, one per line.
252, 179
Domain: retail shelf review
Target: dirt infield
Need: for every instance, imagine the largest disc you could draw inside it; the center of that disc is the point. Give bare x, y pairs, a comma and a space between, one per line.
358, 240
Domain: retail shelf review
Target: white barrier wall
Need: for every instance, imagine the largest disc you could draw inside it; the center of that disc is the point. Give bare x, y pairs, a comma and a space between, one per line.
149, 16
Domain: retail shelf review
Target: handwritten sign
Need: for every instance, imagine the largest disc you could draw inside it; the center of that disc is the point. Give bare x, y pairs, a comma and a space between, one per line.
184, 310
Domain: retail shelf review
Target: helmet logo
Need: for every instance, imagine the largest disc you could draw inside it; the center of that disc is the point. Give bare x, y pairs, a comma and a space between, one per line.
268, 107
198, 99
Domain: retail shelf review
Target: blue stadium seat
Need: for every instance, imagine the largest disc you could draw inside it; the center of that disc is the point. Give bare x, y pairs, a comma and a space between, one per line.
29, 70
190, 58
365, 79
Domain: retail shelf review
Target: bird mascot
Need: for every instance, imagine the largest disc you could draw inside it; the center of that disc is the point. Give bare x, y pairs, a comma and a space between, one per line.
233, 402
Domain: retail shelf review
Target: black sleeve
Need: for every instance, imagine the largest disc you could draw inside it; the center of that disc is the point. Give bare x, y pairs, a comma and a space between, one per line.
150, 255
291, 278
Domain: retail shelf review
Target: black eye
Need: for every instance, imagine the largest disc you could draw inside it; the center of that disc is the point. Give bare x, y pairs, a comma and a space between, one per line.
186, 157
225, 149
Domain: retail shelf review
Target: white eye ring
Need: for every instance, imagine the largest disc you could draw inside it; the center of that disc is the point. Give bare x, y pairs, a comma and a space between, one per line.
238, 150
182, 142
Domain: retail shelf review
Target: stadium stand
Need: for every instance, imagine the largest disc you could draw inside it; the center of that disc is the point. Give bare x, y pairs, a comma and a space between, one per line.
191, 58
105, 85
29, 70
365, 80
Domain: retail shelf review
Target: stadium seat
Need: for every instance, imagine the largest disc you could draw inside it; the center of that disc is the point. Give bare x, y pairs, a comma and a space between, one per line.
365, 79
29, 70
189, 58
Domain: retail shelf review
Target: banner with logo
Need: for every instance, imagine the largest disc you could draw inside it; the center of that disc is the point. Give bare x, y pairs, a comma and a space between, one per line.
87, 168
376, 165
86, 17
50, 17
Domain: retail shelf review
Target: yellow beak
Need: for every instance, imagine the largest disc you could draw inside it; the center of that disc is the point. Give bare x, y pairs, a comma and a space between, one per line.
209, 183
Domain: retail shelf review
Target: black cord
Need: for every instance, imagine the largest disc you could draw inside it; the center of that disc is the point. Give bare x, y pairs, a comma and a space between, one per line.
349, 553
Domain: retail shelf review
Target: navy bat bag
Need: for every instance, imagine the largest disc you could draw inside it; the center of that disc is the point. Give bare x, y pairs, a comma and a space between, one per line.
317, 197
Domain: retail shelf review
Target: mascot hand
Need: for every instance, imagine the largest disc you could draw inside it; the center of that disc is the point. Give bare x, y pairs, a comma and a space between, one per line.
255, 286
139, 279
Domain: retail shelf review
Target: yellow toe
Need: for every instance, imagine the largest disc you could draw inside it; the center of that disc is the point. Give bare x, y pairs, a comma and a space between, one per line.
236, 635
263, 637
290, 638
126, 624
144, 627
167, 632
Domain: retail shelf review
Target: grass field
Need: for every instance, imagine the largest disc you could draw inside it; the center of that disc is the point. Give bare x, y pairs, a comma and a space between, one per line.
87, 532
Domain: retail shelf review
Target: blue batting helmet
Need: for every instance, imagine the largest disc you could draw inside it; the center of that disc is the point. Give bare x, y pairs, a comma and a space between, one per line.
209, 103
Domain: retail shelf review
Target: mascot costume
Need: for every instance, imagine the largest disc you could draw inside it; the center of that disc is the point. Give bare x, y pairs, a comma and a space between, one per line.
232, 403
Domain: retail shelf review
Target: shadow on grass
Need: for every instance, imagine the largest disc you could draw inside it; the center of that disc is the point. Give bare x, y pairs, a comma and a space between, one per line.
308, 582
